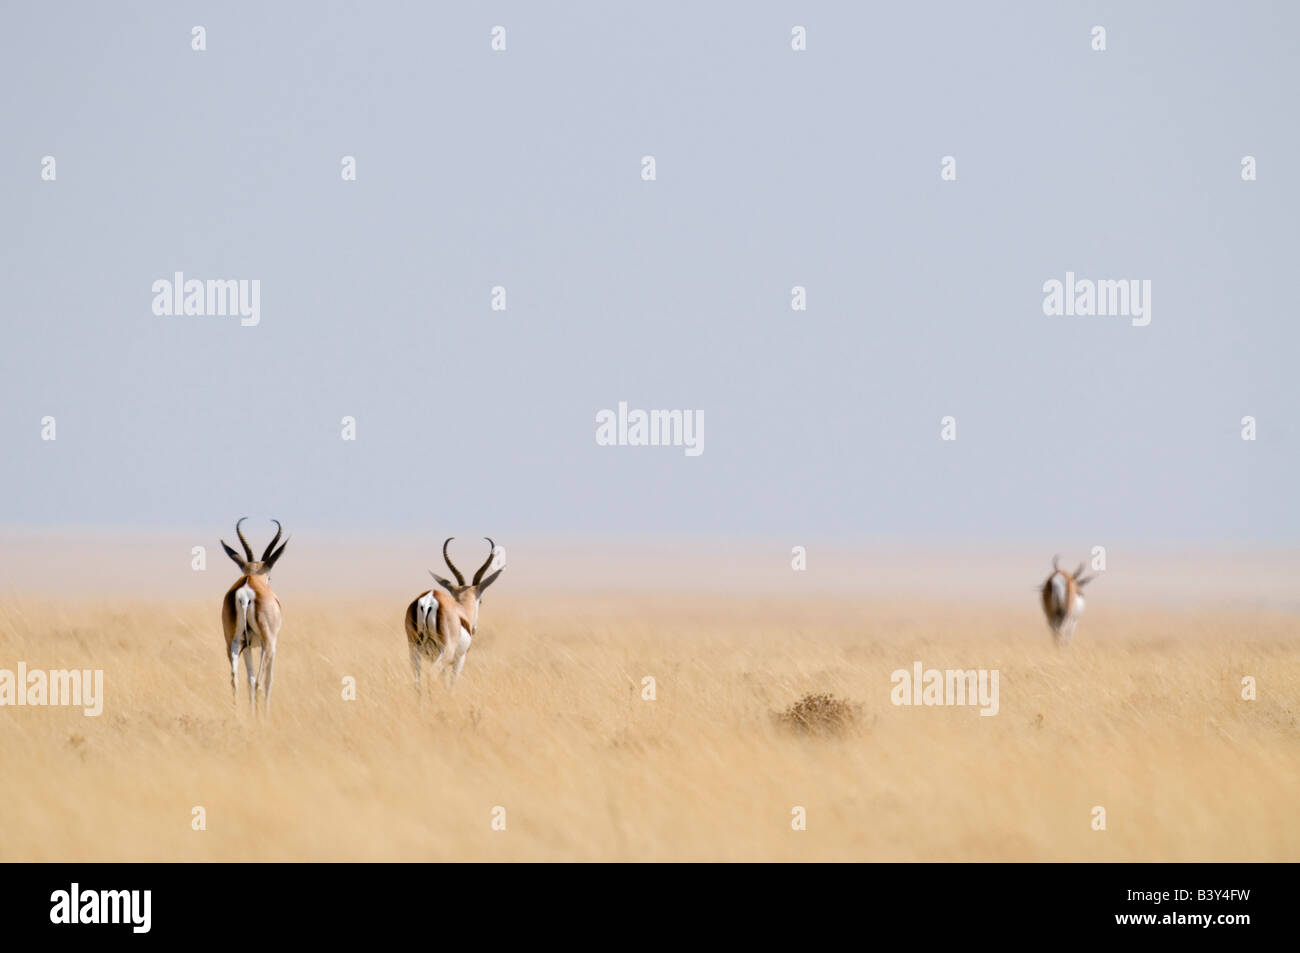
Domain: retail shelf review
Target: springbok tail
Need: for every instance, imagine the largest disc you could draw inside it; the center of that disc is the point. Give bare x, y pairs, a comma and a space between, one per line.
1060, 593
243, 599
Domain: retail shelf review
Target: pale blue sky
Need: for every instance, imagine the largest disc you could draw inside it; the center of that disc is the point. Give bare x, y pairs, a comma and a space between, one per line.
775, 169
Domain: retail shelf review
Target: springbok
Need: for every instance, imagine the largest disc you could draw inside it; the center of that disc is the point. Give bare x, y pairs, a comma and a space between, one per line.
1063, 600
442, 626
250, 616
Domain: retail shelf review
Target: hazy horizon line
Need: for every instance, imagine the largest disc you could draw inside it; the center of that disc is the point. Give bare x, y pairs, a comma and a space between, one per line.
182, 563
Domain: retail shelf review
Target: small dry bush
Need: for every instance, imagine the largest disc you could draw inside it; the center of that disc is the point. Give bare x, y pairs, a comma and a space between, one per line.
820, 714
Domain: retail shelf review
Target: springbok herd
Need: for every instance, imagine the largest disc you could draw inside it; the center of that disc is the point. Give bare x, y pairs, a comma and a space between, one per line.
441, 625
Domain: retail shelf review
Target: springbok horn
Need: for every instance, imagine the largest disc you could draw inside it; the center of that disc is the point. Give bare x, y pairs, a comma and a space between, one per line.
1055, 559
271, 560
248, 550
271, 545
451, 565
492, 551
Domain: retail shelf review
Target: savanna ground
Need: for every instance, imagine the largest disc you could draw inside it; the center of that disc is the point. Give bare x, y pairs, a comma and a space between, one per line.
1143, 715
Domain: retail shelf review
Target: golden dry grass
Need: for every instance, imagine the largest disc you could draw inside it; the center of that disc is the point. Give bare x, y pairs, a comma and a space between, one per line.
1143, 716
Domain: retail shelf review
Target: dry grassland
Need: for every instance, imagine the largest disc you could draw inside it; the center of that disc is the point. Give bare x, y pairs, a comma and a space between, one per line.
1143, 715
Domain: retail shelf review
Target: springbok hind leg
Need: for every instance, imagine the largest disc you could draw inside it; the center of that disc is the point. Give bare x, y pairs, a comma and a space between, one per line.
1067, 633
266, 675
234, 672
252, 679
446, 660
462, 650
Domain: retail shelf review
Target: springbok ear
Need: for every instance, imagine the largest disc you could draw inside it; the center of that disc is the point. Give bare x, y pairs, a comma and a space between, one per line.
445, 583
489, 580
239, 560
1083, 581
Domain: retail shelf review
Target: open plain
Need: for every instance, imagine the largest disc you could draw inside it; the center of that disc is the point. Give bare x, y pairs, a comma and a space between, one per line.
551, 733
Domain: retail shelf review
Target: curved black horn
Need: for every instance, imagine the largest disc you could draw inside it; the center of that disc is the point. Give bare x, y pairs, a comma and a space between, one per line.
492, 551
248, 550
271, 545
451, 565
269, 561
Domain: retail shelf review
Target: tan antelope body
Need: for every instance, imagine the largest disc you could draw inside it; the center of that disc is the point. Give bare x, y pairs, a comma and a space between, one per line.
441, 625
250, 617
1063, 601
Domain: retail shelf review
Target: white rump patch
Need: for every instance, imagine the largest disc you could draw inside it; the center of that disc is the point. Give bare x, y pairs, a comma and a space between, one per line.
246, 619
426, 609
1059, 589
